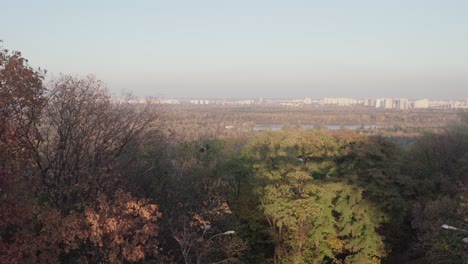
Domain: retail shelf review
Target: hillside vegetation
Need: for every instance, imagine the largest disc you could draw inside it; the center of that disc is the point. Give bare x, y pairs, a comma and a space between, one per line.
84, 179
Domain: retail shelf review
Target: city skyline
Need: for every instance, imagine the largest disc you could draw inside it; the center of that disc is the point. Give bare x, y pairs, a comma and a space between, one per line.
378, 103
245, 49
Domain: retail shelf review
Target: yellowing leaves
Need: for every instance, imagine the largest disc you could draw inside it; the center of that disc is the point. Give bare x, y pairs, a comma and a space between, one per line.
336, 244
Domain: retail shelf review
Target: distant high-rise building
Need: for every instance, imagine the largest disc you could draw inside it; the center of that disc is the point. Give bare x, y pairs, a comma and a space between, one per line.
402, 103
368, 102
387, 103
378, 103
339, 101
423, 103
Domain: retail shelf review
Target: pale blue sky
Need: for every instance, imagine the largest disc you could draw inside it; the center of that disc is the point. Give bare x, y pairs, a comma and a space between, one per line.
239, 48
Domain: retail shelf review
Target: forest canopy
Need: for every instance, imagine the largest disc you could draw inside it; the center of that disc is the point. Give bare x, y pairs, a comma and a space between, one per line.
88, 179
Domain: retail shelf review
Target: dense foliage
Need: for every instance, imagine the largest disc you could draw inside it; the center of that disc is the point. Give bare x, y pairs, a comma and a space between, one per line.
86, 179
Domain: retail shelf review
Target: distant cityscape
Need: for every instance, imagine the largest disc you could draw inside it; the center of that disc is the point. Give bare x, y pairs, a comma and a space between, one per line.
382, 103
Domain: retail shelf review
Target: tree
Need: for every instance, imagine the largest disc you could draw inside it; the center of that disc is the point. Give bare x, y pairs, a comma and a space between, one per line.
201, 192
22, 99
437, 162
314, 215
373, 163
87, 138
188, 182
122, 229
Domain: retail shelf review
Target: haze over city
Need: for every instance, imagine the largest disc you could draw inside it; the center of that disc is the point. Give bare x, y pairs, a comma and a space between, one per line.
250, 49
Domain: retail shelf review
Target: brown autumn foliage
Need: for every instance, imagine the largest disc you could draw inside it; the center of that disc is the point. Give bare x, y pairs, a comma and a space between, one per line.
59, 170
124, 229
121, 229
21, 101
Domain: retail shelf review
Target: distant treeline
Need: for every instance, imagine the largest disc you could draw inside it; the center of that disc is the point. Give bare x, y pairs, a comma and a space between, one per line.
192, 121
320, 115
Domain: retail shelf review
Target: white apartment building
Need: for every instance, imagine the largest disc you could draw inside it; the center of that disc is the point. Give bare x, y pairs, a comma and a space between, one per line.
402, 103
169, 101
339, 101
387, 103
378, 103
200, 102
421, 104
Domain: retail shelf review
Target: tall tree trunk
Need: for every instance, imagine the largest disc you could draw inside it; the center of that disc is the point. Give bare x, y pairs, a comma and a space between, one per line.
276, 257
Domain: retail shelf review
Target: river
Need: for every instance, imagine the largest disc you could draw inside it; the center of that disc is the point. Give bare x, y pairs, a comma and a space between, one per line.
275, 127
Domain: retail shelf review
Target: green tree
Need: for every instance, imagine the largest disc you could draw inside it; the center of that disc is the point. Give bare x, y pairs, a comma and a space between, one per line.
312, 214
373, 163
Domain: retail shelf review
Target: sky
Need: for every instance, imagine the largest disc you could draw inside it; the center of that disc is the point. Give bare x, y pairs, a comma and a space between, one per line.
249, 48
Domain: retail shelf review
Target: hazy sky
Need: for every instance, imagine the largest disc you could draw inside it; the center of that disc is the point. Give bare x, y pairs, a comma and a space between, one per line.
254, 48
